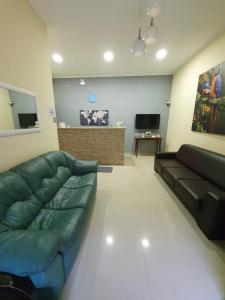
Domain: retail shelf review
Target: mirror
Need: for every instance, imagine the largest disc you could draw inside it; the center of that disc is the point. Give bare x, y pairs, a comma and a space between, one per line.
18, 111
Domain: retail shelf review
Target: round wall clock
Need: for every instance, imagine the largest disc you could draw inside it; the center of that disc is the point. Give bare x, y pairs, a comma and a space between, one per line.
92, 98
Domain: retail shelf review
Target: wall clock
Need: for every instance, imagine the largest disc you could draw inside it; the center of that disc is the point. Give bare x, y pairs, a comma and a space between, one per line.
92, 98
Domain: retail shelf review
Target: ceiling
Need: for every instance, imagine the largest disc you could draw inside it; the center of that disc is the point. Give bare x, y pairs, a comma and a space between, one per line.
82, 30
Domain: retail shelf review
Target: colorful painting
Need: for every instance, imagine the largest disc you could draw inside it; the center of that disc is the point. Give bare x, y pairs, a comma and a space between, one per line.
94, 117
209, 114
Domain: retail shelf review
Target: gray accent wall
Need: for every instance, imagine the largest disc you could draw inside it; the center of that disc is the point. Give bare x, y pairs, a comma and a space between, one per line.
124, 97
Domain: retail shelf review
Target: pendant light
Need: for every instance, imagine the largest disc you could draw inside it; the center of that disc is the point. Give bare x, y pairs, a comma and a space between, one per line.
151, 33
153, 8
139, 47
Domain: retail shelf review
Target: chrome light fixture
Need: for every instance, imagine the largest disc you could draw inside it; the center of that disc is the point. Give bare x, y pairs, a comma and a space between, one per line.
153, 8
151, 33
139, 46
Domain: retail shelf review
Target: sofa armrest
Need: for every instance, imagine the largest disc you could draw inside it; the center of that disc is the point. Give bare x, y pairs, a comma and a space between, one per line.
82, 167
26, 252
166, 155
212, 216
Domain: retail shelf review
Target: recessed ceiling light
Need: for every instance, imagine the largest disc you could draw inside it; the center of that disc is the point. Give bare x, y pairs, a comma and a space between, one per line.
161, 54
57, 58
108, 56
145, 243
109, 240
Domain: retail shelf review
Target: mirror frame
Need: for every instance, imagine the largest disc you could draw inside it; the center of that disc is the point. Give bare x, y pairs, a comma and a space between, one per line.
11, 132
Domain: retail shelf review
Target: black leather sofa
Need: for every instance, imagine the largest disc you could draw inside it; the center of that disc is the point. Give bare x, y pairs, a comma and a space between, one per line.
197, 177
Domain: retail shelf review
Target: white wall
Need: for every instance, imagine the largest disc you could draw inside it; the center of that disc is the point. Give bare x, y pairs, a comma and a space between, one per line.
184, 89
25, 62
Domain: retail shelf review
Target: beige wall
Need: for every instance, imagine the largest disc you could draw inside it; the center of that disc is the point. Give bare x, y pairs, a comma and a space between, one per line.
24, 62
6, 118
183, 97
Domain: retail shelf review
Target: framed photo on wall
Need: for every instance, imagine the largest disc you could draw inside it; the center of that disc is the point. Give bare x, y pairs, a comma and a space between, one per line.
94, 117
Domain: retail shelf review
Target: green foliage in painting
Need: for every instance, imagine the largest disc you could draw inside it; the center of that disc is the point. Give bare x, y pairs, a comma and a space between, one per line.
209, 113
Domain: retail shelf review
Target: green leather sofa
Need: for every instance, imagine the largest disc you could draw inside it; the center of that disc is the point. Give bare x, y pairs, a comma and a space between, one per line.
45, 204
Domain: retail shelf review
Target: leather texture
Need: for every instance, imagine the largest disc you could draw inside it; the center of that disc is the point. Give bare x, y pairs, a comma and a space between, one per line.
82, 167
44, 204
206, 163
169, 163
16, 197
199, 183
171, 175
71, 198
213, 209
193, 192
24, 252
165, 155
65, 223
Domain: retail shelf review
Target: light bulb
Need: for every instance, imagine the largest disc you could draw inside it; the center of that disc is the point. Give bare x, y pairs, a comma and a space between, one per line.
57, 58
161, 54
108, 56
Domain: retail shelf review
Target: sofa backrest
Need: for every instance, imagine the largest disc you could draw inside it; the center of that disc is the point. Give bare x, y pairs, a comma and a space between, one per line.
18, 206
46, 174
206, 163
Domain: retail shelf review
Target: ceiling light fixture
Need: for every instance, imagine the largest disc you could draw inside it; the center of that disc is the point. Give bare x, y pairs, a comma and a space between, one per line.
153, 8
57, 58
82, 82
139, 46
145, 243
161, 54
109, 240
151, 33
108, 56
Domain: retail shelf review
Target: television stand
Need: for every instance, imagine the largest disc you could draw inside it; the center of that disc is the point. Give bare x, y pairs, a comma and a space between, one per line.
157, 139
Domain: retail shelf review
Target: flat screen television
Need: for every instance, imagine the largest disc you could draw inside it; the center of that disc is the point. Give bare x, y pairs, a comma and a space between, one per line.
147, 121
27, 120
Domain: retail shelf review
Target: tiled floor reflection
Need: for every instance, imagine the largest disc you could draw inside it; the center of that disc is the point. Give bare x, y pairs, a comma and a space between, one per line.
142, 244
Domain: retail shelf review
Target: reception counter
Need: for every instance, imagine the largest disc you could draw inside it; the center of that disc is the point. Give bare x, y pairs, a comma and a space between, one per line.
105, 144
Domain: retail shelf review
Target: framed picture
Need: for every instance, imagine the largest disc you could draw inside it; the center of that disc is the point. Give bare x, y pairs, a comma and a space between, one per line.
94, 117
209, 113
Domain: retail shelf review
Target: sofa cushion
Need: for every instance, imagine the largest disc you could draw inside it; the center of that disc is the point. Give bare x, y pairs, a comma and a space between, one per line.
72, 198
18, 206
25, 252
208, 164
173, 174
163, 163
75, 182
82, 167
58, 159
45, 174
192, 192
67, 223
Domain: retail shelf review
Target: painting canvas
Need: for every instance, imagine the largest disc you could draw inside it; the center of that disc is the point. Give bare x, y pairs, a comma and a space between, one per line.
94, 117
209, 113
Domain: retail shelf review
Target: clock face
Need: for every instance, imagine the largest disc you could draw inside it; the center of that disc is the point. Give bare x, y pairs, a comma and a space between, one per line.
92, 98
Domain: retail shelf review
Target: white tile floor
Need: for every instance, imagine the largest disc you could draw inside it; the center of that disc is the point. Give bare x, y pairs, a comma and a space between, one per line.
142, 244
